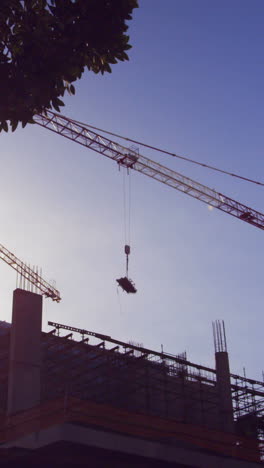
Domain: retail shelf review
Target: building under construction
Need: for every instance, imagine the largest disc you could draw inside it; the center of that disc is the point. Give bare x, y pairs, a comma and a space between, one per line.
72, 397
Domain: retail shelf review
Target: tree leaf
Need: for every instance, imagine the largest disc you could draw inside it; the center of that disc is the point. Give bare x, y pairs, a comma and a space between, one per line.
44, 43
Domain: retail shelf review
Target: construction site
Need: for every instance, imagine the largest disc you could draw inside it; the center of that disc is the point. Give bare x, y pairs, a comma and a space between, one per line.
74, 391
73, 397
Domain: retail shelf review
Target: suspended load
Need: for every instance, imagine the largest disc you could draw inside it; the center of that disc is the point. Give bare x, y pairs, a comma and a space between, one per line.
126, 283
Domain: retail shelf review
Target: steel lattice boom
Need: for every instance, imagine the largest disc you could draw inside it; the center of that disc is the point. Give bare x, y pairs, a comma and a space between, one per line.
126, 157
29, 274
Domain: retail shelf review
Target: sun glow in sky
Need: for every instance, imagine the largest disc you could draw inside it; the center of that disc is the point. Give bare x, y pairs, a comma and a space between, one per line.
193, 86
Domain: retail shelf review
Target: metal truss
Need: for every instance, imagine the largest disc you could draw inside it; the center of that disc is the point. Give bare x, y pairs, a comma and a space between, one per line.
29, 275
247, 394
133, 160
144, 352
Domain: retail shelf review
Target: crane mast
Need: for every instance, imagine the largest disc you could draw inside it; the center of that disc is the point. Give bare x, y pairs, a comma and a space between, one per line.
29, 274
132, 160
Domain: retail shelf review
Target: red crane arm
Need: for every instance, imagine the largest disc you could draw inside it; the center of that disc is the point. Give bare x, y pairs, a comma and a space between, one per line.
126, 157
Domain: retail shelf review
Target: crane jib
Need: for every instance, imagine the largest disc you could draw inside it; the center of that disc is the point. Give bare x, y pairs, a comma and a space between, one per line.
133, 160
30, 275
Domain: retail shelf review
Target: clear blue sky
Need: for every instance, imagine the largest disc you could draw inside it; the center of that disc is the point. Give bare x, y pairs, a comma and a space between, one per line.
193, 85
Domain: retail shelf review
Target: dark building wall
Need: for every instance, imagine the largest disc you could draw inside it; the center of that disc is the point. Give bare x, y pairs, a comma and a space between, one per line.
24, 353
71, 455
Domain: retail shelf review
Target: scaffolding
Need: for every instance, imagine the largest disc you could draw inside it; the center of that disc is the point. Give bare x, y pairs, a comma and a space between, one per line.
156, 383
99, 369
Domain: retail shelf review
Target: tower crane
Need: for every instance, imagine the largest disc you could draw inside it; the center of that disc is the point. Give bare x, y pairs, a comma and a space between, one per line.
130, 159
29, 274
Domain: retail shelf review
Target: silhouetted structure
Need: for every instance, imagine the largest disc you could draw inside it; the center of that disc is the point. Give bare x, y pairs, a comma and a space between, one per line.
98, 400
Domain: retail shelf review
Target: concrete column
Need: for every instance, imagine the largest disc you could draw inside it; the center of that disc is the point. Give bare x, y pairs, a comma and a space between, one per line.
25, 351
223, 383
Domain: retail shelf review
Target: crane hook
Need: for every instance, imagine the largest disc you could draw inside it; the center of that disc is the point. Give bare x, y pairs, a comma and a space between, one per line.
127, 252
125, 283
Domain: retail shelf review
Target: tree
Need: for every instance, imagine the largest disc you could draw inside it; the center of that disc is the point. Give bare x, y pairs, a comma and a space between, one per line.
46, 45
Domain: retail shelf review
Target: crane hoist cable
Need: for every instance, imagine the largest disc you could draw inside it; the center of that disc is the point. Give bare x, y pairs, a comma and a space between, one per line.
127, 175
184, 158
126, 283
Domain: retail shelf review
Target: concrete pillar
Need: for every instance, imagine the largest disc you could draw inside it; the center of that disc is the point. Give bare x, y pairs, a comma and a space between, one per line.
25, 351
226, 419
